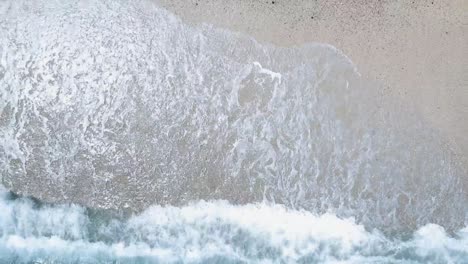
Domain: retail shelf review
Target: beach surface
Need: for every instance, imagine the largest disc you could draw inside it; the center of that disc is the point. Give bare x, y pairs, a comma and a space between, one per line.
415, 51
240, 131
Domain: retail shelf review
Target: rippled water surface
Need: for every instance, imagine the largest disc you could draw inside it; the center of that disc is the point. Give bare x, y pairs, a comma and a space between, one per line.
120, 106
208, 232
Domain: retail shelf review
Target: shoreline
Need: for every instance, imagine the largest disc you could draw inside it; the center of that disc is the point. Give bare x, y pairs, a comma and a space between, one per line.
205, 113
414, 51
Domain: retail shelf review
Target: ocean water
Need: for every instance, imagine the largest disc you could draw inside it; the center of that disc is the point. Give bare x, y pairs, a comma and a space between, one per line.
145, 139
208, 232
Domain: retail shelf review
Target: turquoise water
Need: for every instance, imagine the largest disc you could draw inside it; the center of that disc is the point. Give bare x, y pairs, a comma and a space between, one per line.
208, 232
267, 154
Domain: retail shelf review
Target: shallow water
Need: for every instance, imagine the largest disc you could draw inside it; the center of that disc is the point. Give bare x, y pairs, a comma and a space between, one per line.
208, 232
119, 105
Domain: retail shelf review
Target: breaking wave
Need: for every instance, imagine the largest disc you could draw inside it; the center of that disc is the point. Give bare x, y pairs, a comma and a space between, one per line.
208, 232
119, 106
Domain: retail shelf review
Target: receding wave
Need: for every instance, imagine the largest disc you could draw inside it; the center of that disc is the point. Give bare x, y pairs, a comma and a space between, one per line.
208, 232
118, 104
124, 109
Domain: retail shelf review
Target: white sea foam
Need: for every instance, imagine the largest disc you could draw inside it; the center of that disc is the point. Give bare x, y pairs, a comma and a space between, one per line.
119, 104
209, 232
116, 104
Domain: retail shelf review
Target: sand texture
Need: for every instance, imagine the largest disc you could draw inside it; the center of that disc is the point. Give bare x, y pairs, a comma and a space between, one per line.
416, 51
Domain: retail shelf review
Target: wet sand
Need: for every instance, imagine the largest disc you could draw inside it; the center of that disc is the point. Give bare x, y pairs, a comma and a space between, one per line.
359, 146
413, 50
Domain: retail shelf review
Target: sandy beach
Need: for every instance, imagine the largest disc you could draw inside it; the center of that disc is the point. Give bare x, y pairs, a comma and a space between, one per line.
243, 131
413, 50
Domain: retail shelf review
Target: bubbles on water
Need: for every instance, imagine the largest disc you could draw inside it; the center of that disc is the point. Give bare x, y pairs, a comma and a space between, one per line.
118, 104
208, 232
